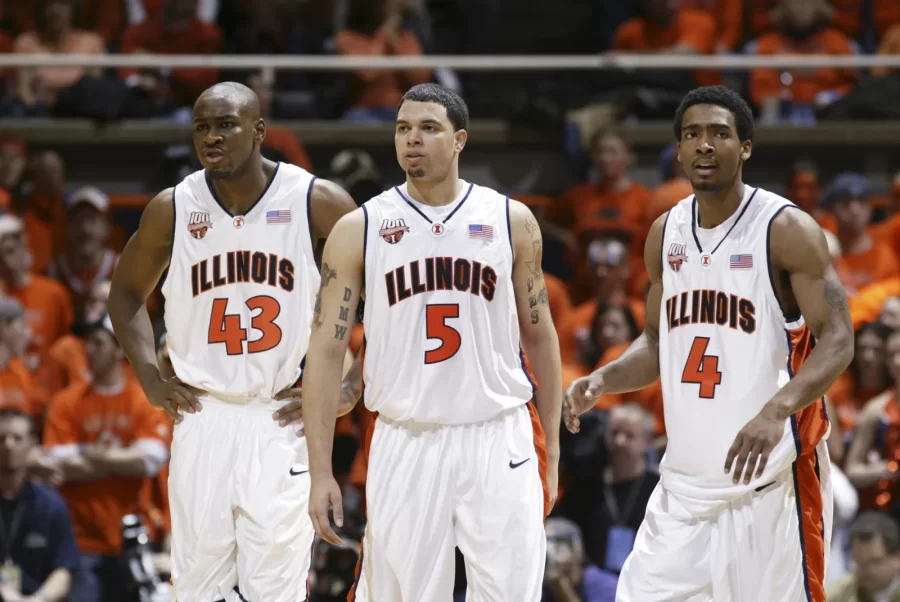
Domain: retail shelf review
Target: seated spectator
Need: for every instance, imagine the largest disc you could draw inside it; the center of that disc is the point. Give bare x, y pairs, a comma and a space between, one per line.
866, 377
17, 390
43, 189
766, 15
675, 187
107, 434
86, 258
38, 544
890, 44
375, 28
178, 29
48, 309
55, 34
875, 547
282, 141
804, 27
729, 17
567, 577
665, 28
611, 326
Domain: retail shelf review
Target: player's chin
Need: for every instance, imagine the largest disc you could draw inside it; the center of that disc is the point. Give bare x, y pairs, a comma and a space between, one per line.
707, 184
218, 173
415, 172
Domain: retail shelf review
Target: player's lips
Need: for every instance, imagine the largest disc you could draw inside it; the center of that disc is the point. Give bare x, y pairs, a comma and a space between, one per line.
214, 155
414, 156
705, 167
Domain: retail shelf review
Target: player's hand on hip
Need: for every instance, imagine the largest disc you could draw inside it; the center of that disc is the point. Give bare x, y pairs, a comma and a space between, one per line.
325, 493
175, 397
290, 413
752, 446
581, 397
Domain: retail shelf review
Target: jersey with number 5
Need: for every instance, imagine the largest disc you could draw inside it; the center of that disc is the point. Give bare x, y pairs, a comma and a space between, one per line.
240, 289
725, 345
441, 326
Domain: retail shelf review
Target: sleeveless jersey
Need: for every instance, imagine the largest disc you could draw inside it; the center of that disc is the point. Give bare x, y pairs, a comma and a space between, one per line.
725, 346
441, 326
240, 290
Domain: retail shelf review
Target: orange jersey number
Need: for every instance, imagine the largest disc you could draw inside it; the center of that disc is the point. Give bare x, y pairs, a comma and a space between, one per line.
701, 369
436, 328
226, 328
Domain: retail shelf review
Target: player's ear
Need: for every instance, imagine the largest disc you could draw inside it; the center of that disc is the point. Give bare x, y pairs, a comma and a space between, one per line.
259, 131
746, 150
459, 140
678, 151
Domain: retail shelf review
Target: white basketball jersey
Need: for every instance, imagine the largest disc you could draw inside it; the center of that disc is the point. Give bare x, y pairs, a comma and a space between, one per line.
441, 326
724, 343
240, 289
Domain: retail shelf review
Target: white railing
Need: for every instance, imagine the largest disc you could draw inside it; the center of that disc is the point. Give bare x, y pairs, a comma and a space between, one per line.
457, 63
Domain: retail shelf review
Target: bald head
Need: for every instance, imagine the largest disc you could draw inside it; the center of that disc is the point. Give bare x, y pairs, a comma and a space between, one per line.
239, 97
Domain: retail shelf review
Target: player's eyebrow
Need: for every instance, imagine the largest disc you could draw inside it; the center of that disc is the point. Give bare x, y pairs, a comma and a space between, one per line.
232, 116
716, 125
421, 122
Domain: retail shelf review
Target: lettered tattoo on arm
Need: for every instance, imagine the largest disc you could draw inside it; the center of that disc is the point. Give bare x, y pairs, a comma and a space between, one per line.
340, 331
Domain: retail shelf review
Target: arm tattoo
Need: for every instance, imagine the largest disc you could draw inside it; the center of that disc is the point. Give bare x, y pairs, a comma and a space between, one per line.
534, 266
835, 296
328, 274
542, 297
530, 284
340, 332
531, 226
535, 316
532, 301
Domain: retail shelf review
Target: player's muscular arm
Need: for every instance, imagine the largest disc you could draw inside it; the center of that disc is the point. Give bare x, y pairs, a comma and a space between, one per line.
799, 249
334, 317
638, 367
328, 204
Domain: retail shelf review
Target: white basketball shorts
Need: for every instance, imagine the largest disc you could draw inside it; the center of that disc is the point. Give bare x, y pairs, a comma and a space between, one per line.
770, 545
431, 488
239, 495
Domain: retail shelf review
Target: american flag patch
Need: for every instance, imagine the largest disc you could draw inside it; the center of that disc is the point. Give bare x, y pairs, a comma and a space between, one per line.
481, 231
741, 262
278, 216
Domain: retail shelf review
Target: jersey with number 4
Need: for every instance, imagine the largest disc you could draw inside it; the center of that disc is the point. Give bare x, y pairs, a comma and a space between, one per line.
240, 289
725, 346
441, 326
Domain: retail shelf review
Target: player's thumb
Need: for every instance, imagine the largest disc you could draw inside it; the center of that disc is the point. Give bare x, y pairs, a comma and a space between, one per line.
337, 507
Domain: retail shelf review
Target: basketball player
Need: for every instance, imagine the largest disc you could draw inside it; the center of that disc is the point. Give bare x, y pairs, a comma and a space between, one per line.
451, 274
747, 327
238, 238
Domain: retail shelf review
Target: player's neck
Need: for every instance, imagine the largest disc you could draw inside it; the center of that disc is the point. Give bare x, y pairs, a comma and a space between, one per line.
714, 207
625, 470
435, 193
240, 192
11, 482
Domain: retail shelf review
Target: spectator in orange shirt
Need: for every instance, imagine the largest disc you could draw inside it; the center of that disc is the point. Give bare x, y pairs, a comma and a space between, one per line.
43, 210
866, 377
863, 260
86, 259
805, 28
666, 29
374, 28
16, 385
612, 325
38, 86
48, 310
106, 434
611, 198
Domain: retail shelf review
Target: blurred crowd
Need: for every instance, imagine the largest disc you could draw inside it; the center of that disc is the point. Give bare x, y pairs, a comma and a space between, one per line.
80, 448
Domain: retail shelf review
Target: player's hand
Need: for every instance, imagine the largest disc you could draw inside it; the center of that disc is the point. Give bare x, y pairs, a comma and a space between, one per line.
173, 396
291, 412
552, 477
581, 397
324, 493
753, 444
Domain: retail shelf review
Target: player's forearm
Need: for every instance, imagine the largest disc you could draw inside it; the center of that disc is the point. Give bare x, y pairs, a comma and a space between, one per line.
322, 387
134, 331
831, 356
543, 355
351, 387
635, 369
56, 587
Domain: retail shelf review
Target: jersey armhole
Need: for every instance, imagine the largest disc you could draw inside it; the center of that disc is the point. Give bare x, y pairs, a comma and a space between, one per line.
365, 242
165, 275
309, 218
512, 249
774, 290
662, 243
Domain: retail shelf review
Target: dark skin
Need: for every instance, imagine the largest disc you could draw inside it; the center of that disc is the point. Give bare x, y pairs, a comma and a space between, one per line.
228, 134
712, 155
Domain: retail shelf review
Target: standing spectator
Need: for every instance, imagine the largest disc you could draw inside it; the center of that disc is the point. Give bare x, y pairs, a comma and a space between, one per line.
375, 28
864, 260
866, 377
86, 258
16, 385
37, 543
108, 439
875, 547
48, 309
567, 578
55, 34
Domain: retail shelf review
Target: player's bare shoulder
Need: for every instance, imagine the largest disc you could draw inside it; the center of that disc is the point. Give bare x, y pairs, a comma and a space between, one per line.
158, 218
523, 225
348, 234
328, 202
797, 243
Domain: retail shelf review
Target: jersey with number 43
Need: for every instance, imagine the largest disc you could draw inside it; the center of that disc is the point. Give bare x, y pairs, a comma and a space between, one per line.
725, 346
441, 326
240, 289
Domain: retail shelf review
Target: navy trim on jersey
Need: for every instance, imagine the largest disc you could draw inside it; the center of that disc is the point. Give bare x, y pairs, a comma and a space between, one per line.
309, 220
694, 221
509, 230
165, 274
362, 558
425, 217
525, 370
803, 560
662, 243
212, 191
769, 260
365, 234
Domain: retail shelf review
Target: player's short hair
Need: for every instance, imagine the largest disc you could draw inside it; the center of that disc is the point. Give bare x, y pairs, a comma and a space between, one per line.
719, 96
874, 524
457, 111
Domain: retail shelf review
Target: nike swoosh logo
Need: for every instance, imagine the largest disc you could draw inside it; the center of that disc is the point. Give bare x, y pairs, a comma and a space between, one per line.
294, 474
516, 465
766, 486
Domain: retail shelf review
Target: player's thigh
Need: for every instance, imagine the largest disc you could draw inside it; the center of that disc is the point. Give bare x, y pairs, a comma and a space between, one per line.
500, 510
200, 487
670, 560
772, 546
272, 526
409, 495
